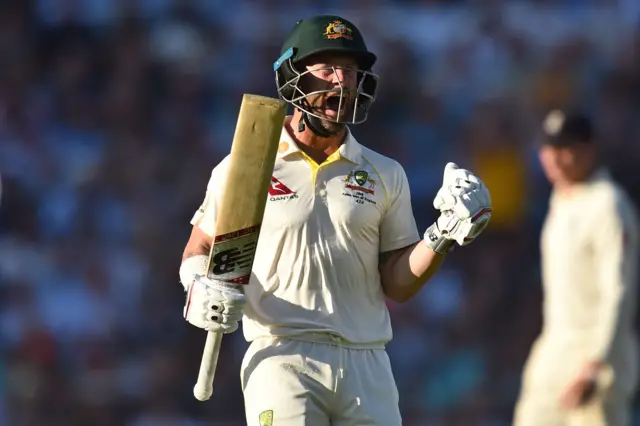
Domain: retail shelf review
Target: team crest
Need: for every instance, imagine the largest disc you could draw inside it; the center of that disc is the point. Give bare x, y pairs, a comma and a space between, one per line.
361, 177
359, 180
266, 418
337, 29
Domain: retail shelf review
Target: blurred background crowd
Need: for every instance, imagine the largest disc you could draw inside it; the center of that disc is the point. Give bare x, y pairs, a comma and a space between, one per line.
113, 113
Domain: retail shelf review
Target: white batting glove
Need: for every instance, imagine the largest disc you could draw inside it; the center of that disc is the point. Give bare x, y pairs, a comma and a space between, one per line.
214, 305
465, 206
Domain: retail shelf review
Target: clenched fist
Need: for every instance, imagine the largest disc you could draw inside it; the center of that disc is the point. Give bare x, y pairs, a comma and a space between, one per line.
465, 209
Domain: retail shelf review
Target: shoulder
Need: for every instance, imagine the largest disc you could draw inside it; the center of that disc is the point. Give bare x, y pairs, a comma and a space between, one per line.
392, 175
610, 200
389, 169
222, 166
219, 173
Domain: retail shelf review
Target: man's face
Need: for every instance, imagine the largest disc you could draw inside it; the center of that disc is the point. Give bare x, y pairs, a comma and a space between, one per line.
337, 75
566, 164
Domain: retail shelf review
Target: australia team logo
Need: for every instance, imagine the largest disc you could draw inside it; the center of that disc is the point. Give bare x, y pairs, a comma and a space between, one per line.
337, 29
360, 186
359, 180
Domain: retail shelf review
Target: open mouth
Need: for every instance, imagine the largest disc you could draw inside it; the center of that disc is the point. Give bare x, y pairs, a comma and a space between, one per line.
332, 104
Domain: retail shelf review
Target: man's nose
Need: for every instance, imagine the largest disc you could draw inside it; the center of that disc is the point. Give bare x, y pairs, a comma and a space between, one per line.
340, 77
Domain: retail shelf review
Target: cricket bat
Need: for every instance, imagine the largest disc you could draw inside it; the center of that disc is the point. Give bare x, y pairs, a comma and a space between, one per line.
244, 197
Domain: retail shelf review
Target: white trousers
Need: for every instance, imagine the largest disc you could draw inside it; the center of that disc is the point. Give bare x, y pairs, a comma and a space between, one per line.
552, 365
289, 382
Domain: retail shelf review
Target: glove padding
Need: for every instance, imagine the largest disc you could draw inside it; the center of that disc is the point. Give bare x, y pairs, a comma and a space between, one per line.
465, 206
214, 305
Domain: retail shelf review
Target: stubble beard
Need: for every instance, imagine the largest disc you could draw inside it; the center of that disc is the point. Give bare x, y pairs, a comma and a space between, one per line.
331, 126
329, 123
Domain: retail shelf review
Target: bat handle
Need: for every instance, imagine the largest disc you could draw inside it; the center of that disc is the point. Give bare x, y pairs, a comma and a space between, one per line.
204, 386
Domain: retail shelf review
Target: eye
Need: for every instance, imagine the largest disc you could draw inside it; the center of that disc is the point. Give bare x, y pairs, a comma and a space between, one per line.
319, 68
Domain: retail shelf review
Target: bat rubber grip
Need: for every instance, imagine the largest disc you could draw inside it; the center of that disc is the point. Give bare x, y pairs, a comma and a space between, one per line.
204, 386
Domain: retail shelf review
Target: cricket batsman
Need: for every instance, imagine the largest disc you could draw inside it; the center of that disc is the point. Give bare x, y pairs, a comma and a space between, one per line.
338, 236
583, 368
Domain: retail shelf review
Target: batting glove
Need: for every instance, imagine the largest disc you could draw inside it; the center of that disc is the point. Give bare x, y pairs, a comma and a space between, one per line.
214, 305
465, 210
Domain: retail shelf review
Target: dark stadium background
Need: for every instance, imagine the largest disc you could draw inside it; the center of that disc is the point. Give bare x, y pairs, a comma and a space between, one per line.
113, 112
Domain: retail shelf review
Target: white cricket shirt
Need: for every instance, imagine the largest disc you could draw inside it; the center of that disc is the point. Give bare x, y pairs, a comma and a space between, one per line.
316, 264
589, 249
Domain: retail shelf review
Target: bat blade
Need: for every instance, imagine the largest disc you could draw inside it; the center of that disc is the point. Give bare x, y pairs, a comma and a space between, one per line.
239, 216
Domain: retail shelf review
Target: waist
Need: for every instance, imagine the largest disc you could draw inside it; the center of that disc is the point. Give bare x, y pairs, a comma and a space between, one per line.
327, 338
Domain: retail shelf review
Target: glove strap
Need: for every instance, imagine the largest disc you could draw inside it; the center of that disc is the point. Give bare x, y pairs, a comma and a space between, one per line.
435, 241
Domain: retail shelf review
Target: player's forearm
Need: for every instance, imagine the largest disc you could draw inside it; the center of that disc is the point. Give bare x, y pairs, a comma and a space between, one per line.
616, 266
613, 314
608, 320
199, 244
404, 273
199, 251
195, 256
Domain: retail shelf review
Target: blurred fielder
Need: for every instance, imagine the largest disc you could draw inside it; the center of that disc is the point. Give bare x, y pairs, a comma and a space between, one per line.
338, 236
583, 368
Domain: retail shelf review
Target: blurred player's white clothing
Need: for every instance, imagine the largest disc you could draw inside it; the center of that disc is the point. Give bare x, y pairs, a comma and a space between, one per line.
316, 265
315, 279
589, 263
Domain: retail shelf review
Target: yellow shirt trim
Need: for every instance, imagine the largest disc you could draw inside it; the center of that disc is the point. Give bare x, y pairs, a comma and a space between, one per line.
315, 166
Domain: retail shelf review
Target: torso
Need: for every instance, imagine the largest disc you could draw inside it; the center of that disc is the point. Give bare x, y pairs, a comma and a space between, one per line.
316, 266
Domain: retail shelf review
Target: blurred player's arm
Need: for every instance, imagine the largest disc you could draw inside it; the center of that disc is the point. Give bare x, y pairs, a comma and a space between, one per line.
616, 246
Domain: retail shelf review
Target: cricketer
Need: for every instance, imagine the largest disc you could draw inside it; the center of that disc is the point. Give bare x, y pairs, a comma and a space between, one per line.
583, 367
338, 236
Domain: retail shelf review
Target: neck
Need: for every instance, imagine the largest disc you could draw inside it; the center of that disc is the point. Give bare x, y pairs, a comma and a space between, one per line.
315, 146
566, 187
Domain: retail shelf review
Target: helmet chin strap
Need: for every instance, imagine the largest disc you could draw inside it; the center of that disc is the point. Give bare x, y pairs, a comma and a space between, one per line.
315, 125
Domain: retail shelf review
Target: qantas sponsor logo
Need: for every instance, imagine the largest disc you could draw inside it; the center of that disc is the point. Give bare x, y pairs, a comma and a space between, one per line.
278, 191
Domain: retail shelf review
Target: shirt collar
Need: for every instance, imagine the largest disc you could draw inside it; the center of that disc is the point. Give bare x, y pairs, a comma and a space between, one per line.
350, 149
600, 174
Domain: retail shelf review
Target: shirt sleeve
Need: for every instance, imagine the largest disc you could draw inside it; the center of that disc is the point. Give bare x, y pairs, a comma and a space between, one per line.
398, 228
205, 216
616, 247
